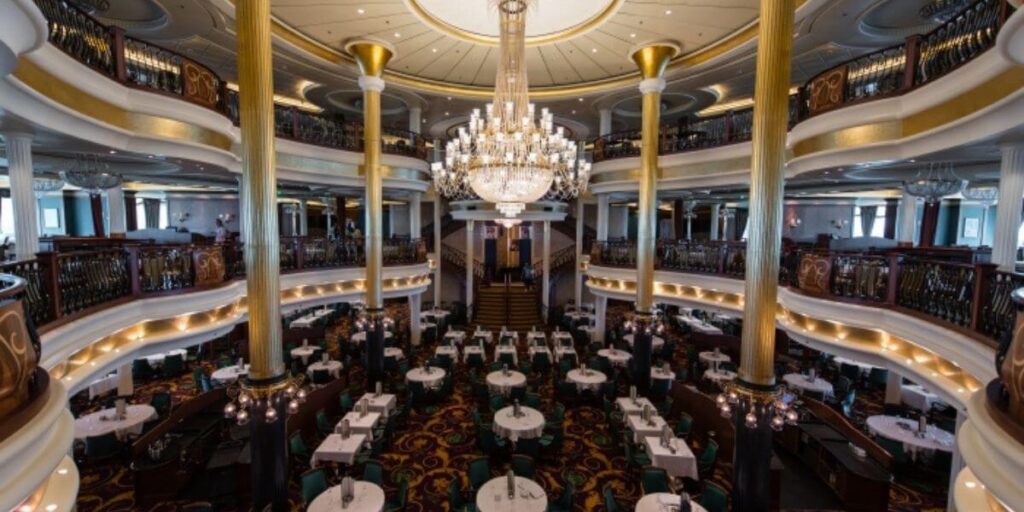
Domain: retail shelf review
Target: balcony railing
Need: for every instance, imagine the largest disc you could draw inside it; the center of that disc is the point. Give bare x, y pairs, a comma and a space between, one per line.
893, 71
147, 66
973, 298
63, 286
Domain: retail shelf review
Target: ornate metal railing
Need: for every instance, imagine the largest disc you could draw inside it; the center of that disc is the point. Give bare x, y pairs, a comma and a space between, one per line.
457, 257
62, 286
971, 297
892, 71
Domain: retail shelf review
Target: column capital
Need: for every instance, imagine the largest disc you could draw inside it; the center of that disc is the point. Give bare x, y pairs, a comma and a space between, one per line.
652, 58
372, 55
371, 83
649, 85
14, 135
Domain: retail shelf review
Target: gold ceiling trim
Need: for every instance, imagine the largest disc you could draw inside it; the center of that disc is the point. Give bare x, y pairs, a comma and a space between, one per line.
554, 37
965, 103
73, 98
676, 172
296, 38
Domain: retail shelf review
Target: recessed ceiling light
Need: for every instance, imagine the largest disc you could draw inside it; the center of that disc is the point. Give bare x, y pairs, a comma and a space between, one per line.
361, 11
446, 113
668, 12
398, 34
449, 98
581, 100
433, 50
593, 50
113, 152
633, 34
573, 111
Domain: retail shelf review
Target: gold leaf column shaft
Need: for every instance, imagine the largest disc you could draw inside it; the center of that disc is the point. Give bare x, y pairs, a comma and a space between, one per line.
262, 249
771, 114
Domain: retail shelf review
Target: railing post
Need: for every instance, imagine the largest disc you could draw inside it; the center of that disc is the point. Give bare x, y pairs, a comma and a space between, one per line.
913, 53
295, 123
722, 253
52, 284
298, 246
134, 272
894, 278
983, 273
117, 48
728, 126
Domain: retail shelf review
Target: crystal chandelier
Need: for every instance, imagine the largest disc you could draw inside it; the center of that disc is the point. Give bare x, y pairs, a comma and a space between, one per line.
507, 156
937, 182
247, 401
757, 407
985, 195
45, 185
90, 175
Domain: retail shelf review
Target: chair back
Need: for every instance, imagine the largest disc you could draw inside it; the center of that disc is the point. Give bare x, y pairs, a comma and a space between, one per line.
298, 446
609, 500
321, 376
102, 446
714, 498
373, 471
522, 465
565, 502
314, 483
479, 472
174, 364
654, 480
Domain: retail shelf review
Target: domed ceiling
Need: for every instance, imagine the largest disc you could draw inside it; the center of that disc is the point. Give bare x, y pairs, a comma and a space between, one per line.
570, 41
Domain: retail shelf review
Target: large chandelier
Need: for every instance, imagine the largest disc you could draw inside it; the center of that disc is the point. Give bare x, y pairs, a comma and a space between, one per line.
937, 182
90, 175
507, 156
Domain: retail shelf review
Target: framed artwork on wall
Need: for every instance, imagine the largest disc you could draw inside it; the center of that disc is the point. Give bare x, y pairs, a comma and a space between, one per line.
51, 218
971, 227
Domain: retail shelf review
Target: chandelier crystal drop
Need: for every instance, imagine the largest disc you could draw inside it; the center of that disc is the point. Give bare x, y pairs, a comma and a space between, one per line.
507, 155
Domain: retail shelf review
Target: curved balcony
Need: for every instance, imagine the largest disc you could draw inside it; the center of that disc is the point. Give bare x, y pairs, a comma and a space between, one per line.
888, 74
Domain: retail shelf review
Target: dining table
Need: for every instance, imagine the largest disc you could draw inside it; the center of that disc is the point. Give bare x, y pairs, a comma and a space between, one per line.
366, 497
528, 496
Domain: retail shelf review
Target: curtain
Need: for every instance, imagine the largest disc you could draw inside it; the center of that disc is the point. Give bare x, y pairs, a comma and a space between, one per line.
96, 205
891, 206
131, 220
151, 207
867, 219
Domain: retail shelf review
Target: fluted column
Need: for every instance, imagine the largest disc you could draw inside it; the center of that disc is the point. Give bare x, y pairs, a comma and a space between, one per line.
606, 121
579, 253
753, 451
115, 211
907, 219
715, 221
601, 315
414, 216
603, 202
372, 56
269, 468
1011, 190
470, 239
437, 251
303, 213
23, 198
415, 119
545, 287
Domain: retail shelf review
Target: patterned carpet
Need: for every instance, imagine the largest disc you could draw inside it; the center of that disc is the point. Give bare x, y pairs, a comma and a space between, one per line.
436, 443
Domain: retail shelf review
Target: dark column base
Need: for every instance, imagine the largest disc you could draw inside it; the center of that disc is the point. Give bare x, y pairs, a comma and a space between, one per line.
269, 466
375, 354
751, 473
642, 355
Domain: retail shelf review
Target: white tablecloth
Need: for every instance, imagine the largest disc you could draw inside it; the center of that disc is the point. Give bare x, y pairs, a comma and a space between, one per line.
393, 353
360, 336
456, 336
488, 336
656, 343
427, 325
509, 334
433, 313
557, 338
506, 349
473, 349
682, 463
918, 397
229, 373
360, 424
710, 357
334, 448
661, 501
699, 326
659, 373
615, 357
800, 381
103, 385
536, 335
309, 319
367, 497
592, 380
591, 331
158, 359
889, 427
528, 426
304, 352
493, 496
447, 350
499, 383
561, 352
545, 350
628, 407
642, 429
432, 380
864, 367
719, 376
92, 425
575, 315
333, 367
384, 404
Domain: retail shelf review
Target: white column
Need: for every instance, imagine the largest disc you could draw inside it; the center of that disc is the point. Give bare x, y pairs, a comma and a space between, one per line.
894, 388
115, 209
330, 231
415, 119
957, 463
725, 228
437, 251
415, 305
601, 312
392, 215
23, 198
602, 217
715, 208
414, 216
470, 239
545, 288
606, 121
1011, 189
579, 252
907, 219
125, 384
303, 213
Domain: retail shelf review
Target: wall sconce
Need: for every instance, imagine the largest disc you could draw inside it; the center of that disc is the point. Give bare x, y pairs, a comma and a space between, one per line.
226, 217
839, 224
794, 222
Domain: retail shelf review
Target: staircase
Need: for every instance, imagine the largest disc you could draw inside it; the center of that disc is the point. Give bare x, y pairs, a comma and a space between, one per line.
514, 307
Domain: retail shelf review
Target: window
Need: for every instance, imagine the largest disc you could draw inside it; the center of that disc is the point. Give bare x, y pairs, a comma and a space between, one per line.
877, 227
6, 218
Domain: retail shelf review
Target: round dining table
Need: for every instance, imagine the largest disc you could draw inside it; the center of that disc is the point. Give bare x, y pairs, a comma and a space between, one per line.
905, 431
529, 424
592, 380
433, 380
333, 367
662, 501
804, 383
304, 352
615, 357
229, 373
710, 357
105, 421
529, 496
366, 497
501, 382
719, 376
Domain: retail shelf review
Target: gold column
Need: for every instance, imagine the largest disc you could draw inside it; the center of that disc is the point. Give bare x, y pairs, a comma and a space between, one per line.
262, 250
372, 56
651, 59
771, 113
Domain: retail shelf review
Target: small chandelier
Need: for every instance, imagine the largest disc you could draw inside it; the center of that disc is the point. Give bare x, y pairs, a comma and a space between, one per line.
726, 213
247, 400
508, 156
370, 319
45, 185
937, 182
985, 195
508, 223
757, 407
90, 175
648, 323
